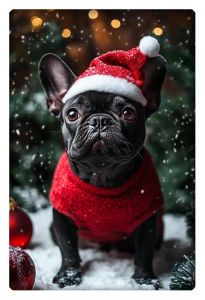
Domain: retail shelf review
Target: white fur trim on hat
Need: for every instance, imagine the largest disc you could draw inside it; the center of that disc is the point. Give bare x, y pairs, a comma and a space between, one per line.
149, 46
106, 83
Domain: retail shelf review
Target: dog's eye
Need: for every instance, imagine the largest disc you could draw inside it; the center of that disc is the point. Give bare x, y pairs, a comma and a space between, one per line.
129, 114
72, 115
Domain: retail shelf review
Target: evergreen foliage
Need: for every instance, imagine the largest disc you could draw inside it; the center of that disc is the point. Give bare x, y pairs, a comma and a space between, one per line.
183, 274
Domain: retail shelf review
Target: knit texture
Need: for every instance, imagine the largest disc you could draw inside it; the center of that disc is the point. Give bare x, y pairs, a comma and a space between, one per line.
123, 64
119, 72
107, 214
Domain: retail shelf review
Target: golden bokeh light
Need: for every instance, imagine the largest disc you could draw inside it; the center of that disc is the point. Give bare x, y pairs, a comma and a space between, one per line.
93, 14
66, 33
158, 31
115, 23
36, 22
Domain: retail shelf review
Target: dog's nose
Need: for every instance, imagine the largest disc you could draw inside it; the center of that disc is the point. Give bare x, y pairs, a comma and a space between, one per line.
100, 122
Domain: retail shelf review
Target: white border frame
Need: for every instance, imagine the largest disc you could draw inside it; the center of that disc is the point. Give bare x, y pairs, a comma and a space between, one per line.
7, 6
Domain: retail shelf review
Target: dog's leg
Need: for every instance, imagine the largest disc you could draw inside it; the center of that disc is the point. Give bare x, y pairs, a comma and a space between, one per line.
145, 241
66, 237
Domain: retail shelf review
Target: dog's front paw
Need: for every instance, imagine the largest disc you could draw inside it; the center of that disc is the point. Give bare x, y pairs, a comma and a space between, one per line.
67, 277
148, 279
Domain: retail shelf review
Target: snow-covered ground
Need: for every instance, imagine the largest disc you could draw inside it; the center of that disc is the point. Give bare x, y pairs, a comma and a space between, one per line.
102, 270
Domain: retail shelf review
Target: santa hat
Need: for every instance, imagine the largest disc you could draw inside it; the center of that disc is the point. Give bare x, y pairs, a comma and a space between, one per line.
118, 72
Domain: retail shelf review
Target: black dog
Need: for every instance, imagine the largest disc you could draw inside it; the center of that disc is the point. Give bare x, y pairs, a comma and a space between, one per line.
102, 115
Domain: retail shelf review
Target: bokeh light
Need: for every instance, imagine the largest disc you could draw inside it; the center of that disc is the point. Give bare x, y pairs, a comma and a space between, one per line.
66, 33
115, 23
93, 14
158, 31
36, 22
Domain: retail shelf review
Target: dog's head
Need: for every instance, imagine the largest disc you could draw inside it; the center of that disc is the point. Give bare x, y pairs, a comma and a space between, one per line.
99, 123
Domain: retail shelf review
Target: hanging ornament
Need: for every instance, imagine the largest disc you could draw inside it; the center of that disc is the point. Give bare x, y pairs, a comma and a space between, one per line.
20, 226
22, 271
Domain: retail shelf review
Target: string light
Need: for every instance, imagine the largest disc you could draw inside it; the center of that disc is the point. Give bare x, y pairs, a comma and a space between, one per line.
66, 33
115, 23
36, 22
93, 14
158, 31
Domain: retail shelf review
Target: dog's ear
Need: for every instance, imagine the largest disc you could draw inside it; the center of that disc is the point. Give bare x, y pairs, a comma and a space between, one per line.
154, 72
56, 78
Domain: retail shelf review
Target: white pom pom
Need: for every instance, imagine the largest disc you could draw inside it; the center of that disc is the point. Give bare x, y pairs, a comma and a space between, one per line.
149, 46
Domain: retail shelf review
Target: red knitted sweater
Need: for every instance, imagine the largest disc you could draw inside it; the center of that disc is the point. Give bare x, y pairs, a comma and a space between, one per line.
107, 214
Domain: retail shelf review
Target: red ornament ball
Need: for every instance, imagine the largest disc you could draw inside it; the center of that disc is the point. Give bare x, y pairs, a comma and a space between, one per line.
20, 226
22, 272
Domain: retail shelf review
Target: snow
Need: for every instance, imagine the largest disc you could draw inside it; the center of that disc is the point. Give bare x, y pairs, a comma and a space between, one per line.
104, 270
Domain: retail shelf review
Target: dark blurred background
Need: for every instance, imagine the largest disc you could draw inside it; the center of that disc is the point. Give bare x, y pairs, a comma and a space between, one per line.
77, 36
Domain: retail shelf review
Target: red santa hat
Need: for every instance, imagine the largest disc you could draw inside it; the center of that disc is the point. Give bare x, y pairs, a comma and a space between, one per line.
118, 72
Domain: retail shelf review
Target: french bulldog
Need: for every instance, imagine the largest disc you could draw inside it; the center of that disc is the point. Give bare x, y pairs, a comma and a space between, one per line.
103, 134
